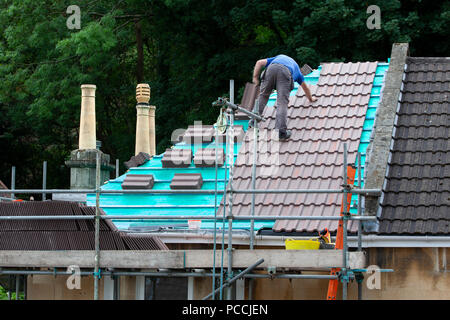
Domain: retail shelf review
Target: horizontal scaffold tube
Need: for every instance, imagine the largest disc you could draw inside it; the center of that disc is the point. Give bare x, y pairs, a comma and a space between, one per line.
146, 191
169, 274
133, 217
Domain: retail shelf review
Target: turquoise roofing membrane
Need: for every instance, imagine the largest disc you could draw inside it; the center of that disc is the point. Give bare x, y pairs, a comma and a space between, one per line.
375, 96
200, 204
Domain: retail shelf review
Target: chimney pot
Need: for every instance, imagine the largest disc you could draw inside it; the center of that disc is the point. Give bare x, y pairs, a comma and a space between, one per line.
87, 139
143, 93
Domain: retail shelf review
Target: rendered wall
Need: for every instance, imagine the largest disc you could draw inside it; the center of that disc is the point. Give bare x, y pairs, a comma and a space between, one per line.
46, 287
419, 273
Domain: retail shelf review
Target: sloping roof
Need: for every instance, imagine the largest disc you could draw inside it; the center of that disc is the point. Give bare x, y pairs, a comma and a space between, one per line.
199, 142
64, 234
348, 97
416, 192
313, 156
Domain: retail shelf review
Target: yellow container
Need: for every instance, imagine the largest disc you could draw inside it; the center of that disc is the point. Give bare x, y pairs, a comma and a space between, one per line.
312, 244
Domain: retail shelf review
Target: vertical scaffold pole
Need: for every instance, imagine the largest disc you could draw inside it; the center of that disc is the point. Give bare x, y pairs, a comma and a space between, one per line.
255, 157
344, 217
97, 226
117, 168
17, 286
359, 222
213, 279
44, 180
230, 196
252, 222
13, 181
224, 211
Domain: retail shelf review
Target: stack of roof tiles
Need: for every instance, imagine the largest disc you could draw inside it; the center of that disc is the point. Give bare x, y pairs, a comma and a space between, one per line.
138, 181
199, 134
64, 234
206, 157
313, 156
137, 160
416, 193
186, 181
177, 158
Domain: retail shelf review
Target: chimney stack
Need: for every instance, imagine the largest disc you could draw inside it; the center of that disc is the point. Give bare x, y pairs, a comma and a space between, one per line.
87, 139
143, 122
152, 133
82, 162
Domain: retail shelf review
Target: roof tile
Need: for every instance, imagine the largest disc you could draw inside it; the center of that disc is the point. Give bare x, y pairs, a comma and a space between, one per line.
416, 196
313, 156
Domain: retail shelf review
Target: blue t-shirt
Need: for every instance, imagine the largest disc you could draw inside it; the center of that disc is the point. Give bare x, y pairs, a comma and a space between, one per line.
290, 64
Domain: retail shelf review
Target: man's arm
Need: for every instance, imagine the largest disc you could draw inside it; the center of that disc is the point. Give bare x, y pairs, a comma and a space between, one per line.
307, 92
257, 70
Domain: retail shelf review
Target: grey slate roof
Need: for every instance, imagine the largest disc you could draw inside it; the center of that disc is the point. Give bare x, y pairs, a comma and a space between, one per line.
416, 192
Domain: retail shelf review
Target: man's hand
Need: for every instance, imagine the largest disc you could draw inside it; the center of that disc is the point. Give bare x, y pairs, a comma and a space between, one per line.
256, 81
308, 92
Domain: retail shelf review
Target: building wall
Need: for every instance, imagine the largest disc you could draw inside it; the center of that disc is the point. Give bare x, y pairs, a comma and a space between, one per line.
419, 273
47, 287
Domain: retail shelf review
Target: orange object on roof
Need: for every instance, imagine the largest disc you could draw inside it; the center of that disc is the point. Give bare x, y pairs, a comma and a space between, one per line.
333, 284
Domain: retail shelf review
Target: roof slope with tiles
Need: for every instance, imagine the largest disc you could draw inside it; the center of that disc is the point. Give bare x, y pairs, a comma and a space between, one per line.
416, 192
64, 234
190, 204
312, 158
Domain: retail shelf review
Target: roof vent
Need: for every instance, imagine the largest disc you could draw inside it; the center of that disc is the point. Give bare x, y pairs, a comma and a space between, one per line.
138, 181
198, 134
206, 157
186, 181
177, 158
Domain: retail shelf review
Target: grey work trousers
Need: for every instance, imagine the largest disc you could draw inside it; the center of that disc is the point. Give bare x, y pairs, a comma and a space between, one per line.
276, 76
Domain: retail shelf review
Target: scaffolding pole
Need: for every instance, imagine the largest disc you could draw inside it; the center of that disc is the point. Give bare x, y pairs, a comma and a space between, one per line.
230, 154
44, 180
255, 157
360, 221
13, 182
364, 192
181, 217
97, 227
345, 220
231, 281
118, 274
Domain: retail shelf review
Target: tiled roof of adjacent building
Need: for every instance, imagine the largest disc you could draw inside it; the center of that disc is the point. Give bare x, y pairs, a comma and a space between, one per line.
416, 192
64, 234
313, 157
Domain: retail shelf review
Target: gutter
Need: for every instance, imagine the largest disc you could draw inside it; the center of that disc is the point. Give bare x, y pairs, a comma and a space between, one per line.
243, 238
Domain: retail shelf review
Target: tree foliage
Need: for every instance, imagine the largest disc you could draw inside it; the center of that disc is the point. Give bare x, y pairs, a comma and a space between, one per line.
187, 50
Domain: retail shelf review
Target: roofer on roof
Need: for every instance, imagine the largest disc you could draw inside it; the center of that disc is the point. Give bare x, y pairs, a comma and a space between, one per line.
280, 73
